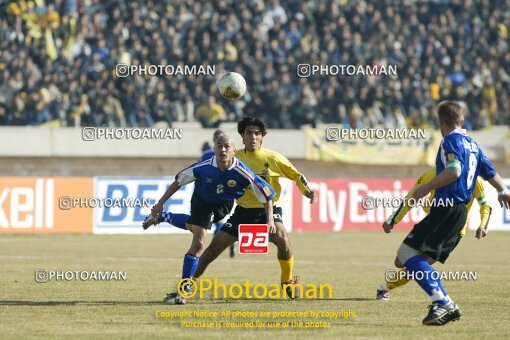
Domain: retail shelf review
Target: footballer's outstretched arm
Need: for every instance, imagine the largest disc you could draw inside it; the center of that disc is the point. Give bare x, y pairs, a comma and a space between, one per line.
265, 194
485, 208
485, 214
489, 173
503, 192
158, 208
404, 207
446, 177
289, 171
453, 165
184, 177
268, 207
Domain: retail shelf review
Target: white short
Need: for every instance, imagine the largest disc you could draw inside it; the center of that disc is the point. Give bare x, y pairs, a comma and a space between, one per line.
405, 252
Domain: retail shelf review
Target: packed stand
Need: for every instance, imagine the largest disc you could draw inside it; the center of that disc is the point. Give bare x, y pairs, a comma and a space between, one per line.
58, 58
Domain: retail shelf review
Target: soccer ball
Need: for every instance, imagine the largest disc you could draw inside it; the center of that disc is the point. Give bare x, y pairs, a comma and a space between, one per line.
232, 85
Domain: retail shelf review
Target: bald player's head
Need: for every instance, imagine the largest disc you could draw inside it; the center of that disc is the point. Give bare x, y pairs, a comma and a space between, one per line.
217, 133
224, 149
224, 138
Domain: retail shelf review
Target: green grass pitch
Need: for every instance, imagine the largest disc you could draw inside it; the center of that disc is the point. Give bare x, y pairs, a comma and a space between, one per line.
354, 263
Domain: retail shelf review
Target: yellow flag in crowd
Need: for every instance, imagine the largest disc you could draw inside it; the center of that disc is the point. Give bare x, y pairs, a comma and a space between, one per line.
51, 49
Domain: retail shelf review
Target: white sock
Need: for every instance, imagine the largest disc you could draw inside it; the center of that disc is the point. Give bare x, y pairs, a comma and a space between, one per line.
437, 295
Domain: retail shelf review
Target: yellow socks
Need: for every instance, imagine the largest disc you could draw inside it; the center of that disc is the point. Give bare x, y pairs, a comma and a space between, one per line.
286, 267
402, 280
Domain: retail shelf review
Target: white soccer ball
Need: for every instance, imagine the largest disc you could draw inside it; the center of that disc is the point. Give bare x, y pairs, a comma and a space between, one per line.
232, 85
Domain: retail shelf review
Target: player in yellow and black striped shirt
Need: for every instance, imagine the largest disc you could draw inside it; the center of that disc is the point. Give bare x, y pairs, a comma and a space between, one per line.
270, 166
398, 215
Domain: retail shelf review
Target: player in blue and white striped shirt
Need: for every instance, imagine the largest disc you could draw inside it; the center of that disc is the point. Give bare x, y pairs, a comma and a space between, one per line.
218, 182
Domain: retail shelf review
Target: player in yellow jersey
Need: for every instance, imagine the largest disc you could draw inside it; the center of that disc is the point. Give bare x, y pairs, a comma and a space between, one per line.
270, 166
397, 279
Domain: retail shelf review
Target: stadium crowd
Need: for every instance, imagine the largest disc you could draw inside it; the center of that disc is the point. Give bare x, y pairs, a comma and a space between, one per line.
58, 58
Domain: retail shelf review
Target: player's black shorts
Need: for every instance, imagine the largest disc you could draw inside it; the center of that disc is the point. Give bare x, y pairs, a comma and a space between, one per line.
249, 216
439, 232
204, 214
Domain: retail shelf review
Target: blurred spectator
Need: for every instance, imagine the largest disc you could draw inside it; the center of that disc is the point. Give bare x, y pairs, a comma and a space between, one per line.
3, 116
353, 118
113, 109
211, 114
58, 61
304, 113
395, 120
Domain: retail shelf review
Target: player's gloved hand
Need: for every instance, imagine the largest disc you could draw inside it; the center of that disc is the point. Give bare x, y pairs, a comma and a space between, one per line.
481, 232
387, 227
312, 196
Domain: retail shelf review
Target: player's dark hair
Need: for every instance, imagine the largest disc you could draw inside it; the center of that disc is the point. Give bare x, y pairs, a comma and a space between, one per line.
450, 113
250, 121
